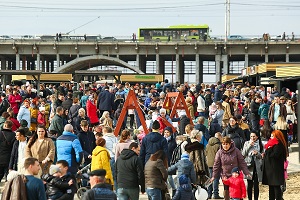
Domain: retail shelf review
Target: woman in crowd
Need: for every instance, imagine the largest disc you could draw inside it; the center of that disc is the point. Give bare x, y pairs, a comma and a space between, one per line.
105, 120
123, 143
73, 111
252, 152
91, 110
101, 160
265, 131
219, 113
156, 175
196, 152
225, 162
81, 116
273, 164
16, 123
283, 126
234, 132
41, 147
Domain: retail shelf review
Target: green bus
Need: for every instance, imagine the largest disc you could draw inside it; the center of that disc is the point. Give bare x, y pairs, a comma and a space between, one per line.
171, 33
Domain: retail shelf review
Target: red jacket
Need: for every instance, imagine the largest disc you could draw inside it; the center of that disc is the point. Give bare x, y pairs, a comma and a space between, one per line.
41, 120
237, 188
91, 110
14, 102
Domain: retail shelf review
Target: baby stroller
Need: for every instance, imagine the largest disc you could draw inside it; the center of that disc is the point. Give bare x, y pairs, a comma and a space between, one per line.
200, 191
82, 176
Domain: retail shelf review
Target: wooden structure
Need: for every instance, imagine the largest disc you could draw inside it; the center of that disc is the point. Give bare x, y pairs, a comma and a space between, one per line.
131, 103
175, 101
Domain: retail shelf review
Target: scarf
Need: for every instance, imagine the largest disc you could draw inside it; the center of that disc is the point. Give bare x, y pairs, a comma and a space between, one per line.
271, 143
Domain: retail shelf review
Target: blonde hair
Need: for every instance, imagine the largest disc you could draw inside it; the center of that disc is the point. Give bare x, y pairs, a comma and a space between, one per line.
280, 123
189, 100
188, 128
196, 133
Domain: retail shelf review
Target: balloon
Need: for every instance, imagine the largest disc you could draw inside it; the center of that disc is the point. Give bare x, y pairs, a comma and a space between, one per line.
201, 194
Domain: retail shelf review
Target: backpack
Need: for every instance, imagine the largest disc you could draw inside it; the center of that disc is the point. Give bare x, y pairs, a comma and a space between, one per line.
176, 156
15, 189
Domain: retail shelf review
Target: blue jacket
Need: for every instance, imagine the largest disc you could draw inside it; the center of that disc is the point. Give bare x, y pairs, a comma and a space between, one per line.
24, 113
184, 166
263, 111
184, 192
69, 149
105, 100
152, 142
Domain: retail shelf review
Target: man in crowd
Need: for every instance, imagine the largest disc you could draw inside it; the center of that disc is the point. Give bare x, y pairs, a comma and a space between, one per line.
99, 189
105, 101
130, 173
57, 124
69, 149
153, 142
34, 186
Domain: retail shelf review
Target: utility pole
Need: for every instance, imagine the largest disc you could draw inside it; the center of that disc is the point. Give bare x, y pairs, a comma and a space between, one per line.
227, 19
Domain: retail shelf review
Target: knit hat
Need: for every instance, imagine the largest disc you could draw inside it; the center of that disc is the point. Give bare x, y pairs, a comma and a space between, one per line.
236, 170
185, 156
53, 169
169, 129
183, 179
23, 123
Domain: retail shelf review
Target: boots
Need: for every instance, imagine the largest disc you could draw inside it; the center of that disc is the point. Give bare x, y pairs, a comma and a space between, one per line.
226, 195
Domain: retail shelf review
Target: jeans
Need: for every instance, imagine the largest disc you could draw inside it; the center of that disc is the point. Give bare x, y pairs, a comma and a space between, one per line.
235, 199
214, 187
112, 166
128, 193
154, 194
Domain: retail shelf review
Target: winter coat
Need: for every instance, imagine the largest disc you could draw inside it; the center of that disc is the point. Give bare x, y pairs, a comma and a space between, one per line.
254, 110
4, 105
254, 160
77, 123
57, 124
184, 192
88, 143
273, 163
7, 139
227, 112
282, 111
24, 113
69, 149
219, 116
152, 142
184, 120
101, 160
225, 161
218, 95
15, 102
100, 191
191, 110
15, 189
184, 166
15, 125
41, 150
214, 128
105, 101
83, 100
41, 120
67, 104
237, 188
197, 157
130, 170
236, 134
34, 110
171, 144
111, 142
14, 156
91, 111
211, 149
156, 174
263, 111
73, 113
55, 185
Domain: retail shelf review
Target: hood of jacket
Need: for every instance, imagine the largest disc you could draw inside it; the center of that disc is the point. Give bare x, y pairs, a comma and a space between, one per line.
98, 149
109, 134
213, 141
155, 137
127, 153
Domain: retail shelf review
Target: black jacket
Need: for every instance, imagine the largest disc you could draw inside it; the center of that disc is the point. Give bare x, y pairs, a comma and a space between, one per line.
7, 139
88, 144
273, 165
13, 162
105, 101
100, 191
3, 106
236, 134
129, 170
67, 104
254, 110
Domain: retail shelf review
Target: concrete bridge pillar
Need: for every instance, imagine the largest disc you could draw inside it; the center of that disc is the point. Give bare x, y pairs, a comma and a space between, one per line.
3, 63
160, 64
218, 67
38, 61
199, 69
57, 60
266, 57
47, 66
17, 61
141, 62
13, 65
225, 64
246, 60
51, 66
43, 64
287, 57
179, 69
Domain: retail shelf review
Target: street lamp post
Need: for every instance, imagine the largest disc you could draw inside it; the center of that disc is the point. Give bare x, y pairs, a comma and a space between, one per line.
227, 19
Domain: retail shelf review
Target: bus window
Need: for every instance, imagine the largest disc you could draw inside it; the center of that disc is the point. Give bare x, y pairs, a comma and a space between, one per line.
194, 32
185, 32
157, 33
167, 33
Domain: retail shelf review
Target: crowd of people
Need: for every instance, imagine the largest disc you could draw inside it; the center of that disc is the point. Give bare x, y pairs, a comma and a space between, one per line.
227, 132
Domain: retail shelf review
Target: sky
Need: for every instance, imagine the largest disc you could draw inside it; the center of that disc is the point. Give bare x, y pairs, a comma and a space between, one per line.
121, 18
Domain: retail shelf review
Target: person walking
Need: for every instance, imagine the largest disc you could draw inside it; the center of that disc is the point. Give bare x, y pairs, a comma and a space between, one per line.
130, 174
273, 163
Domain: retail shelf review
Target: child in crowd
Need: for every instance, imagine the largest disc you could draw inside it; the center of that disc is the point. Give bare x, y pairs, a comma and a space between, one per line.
237, 187
184, 166
55, 186
184, 191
